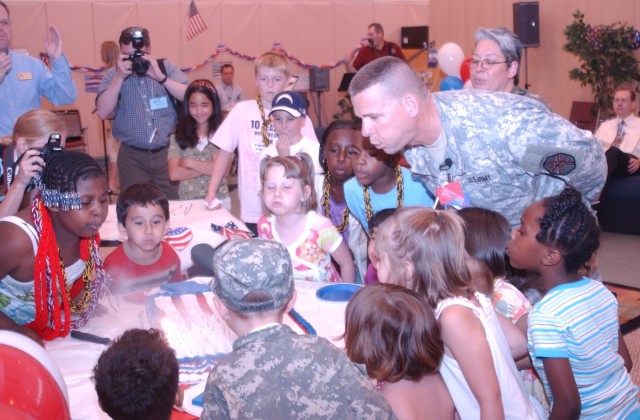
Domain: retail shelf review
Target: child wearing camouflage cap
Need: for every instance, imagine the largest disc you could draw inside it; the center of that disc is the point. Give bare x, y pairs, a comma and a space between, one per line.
273, 372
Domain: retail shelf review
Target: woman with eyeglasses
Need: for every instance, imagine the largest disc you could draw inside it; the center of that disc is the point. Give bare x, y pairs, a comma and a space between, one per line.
495, 63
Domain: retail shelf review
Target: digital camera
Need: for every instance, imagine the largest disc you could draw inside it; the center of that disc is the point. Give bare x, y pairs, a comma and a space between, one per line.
138, 64
48, 151
52, 147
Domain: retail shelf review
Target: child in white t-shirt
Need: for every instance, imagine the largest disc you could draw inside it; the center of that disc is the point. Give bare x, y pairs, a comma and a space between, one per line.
248, 129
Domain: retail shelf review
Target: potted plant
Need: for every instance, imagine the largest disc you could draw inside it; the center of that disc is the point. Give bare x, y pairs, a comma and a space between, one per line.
606, 58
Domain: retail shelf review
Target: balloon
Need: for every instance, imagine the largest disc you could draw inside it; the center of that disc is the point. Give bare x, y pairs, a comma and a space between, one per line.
450, 58
30, 383
451, 83
465, 69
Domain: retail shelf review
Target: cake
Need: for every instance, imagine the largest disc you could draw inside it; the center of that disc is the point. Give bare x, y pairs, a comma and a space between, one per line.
192, 326
186, 314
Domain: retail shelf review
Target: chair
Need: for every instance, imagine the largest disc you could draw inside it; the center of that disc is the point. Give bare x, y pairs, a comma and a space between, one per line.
75, 131
619, 206
584, 115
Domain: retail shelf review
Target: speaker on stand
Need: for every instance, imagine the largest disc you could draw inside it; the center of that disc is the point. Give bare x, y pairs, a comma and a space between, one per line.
526, 24
318, 82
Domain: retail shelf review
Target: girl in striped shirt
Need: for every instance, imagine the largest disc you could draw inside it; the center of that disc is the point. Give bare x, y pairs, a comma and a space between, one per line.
573, 335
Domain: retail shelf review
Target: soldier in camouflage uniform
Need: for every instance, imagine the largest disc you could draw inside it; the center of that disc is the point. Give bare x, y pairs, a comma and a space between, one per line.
274, 373
499, 146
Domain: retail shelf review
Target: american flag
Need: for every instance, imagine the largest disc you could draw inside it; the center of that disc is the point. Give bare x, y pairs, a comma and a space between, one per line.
92, 82
196, 24
231, 231
179, 238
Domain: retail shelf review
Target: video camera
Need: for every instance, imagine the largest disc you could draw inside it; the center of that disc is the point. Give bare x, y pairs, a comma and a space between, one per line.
138, 64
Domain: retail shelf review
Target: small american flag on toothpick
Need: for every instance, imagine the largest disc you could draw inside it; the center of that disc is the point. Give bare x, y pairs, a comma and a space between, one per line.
196, 24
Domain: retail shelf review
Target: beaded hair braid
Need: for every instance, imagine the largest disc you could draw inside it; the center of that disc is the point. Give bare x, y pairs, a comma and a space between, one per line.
367, 198
52, 298
326, 204
266, 122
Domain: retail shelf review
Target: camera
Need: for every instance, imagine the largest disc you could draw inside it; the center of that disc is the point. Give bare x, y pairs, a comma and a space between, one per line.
48, 151
52, 147
138, 64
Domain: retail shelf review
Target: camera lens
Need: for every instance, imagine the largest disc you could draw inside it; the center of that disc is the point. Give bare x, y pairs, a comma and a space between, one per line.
138, 64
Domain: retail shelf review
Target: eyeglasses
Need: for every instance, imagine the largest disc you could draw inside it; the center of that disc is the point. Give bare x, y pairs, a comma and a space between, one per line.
5, 22
487, 63
621, 100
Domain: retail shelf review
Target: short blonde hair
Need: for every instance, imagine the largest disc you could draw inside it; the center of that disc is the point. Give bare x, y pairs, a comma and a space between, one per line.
298, 167
38, 123
272, 60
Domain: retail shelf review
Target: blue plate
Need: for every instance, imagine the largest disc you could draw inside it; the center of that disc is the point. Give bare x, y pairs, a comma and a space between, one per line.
198, 401
340, 292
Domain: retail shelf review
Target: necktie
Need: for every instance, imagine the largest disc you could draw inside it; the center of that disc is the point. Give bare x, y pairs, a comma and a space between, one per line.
619, 135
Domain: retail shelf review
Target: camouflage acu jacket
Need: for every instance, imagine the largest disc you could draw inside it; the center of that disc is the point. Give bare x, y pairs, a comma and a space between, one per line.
275, 373
500, 145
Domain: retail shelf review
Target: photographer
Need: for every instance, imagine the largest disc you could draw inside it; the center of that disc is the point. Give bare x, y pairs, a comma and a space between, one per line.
30, 134
136, 94
376, 47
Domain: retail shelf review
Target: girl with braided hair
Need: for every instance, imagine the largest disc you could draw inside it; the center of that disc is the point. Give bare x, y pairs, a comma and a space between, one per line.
574, 339
51, 274
381, 183
337, 149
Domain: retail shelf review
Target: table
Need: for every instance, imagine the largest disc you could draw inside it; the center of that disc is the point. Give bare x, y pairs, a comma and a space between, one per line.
187, 213
76, 359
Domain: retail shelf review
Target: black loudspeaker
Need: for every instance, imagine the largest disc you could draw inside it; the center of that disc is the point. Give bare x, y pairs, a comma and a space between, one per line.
318, 79
526, 23
414, 37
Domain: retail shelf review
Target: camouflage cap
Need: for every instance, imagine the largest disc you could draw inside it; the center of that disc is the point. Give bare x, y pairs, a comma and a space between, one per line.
252, 265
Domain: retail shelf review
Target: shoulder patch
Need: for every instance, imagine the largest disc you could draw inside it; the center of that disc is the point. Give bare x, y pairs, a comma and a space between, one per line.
559, 164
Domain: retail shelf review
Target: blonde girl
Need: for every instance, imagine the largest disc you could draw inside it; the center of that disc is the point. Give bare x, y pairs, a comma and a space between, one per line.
288, 198
423, 249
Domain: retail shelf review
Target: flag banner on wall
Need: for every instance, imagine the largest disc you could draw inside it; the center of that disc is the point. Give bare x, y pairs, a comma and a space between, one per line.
92, 83
196, 24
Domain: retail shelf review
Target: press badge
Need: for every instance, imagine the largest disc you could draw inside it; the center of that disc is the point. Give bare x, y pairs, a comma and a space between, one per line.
158, 103
26, 75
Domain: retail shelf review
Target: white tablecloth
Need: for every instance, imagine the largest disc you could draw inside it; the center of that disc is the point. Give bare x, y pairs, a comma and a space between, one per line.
76, 359
188, 213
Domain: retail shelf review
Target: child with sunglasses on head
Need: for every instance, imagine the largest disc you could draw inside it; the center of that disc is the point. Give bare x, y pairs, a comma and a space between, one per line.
289, 200
381, 183
191, 154
393, 332
574, 338
337, 149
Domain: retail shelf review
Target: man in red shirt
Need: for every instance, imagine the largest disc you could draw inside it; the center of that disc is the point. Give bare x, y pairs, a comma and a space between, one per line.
376, 47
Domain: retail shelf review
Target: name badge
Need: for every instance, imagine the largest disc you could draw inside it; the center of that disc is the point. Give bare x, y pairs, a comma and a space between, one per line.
25, 76
158, 103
